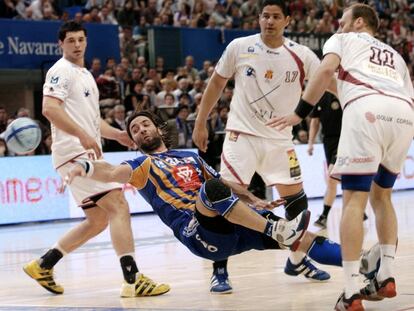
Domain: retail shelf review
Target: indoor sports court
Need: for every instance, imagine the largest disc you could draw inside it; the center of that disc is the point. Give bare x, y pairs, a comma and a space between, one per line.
91, 275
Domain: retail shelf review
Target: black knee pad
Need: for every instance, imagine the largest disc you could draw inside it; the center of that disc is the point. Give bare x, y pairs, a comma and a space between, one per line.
295, 204
216, 196
216, 190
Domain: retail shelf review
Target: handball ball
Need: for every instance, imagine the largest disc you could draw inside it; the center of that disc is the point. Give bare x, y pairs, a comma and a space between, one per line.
23, 135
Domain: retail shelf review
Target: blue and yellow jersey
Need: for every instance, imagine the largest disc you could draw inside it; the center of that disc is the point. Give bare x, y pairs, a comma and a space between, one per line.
170, 182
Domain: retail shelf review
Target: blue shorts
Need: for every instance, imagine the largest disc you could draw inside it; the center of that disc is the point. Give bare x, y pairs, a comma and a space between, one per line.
217, 246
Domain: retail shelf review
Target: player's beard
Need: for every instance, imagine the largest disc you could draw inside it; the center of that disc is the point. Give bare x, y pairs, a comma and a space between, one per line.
151, 145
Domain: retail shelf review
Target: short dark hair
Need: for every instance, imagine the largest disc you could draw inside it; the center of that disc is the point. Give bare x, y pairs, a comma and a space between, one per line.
70, 26
367, 13
280, 3
154, 119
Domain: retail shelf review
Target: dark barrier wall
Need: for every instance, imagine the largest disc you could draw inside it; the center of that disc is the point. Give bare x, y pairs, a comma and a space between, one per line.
28, 45
174, 44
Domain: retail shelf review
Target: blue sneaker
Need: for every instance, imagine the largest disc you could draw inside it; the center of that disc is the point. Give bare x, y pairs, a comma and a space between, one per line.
220, 283
306, 268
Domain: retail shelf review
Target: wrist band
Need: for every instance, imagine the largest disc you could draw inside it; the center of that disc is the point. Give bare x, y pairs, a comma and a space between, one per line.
303, 108
87, 166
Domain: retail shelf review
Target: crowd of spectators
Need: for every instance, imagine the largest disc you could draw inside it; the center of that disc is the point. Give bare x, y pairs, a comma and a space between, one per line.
175, 94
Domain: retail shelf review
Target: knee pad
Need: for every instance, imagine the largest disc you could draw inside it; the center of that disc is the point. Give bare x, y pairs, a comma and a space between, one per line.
384, 178
295, 204
357, 182
217, 197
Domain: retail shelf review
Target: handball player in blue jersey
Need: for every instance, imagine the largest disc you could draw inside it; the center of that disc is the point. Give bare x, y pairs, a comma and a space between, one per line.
212, 217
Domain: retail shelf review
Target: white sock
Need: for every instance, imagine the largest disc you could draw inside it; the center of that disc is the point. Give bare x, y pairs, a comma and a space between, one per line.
386, 269
296, 257
60, 249
351, 271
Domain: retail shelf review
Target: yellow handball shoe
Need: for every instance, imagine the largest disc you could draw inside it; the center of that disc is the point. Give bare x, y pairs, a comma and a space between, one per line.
43, 276
143, 287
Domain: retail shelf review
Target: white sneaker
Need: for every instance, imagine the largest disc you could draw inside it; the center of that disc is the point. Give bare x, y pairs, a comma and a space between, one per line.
289, 233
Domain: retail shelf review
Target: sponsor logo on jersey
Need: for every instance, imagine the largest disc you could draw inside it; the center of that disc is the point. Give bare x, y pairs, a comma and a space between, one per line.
345, 161
86, 93
293, 164
54, 80
272, 52
269, 74
250, 49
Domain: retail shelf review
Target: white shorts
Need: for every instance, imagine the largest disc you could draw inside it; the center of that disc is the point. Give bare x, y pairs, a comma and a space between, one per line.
274, 160
83, 188
376, 130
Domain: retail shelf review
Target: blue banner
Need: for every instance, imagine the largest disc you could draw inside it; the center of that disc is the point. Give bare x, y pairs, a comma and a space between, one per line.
31, 44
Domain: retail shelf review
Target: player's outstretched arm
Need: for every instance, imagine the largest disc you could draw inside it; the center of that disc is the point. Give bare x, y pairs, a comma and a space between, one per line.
100, 170
112, 133
249, 198
53, 110
313, 130
210, 97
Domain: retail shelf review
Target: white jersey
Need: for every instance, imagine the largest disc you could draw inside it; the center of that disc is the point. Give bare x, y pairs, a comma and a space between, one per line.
268, 83
368, 66
76, 87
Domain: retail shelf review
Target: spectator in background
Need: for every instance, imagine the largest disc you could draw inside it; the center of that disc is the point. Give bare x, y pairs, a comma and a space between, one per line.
108, 89
118, 122
120, 77
249, 10
159, 66
301, 137
198, 87
183, 87
126, 16
150, 12
127, 44
23, 113
183, 127
92, 16
220, 16
189, 65
209, 6
199, 15
107, 16
96, 68
167, 110
325, 25
184, 12
203, 72
168, 86
149, 89
78, 18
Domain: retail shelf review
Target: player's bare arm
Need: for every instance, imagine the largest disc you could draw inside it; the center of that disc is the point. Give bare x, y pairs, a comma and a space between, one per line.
53, 110
314, 91
109, 132
210, 97
248, 197
101, 171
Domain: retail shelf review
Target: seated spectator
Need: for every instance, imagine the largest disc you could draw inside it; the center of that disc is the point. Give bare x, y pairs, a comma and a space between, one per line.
107, 17
183, 128
249, 11
167, 110
92, 16
108, 89
220, 16
168, 86
189, 65
95, 69
203, 72
198, 87
3, 119
118, 121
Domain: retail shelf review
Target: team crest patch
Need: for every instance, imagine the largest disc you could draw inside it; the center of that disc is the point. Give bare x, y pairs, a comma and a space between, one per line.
268, 75
54, 80
233, 136
293, 163
250, 49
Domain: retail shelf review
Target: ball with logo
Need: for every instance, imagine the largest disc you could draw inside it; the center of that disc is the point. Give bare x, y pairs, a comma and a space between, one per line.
23, 135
